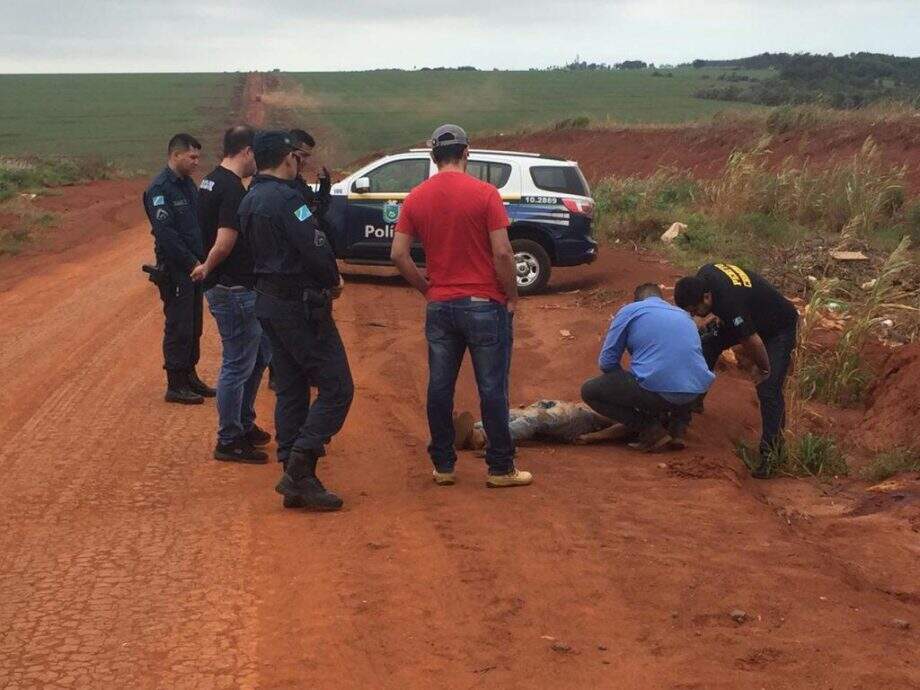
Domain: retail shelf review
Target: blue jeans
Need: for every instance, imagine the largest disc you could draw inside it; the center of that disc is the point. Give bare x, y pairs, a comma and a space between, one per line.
246, 353
485, 328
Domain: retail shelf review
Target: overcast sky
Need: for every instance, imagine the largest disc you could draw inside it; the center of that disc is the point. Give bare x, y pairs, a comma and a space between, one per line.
299, 35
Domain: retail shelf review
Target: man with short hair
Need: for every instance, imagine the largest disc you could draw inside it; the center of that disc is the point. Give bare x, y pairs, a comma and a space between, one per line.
297, 280
754, 314
471, 290
171, 204
229, 284
318, 201
667, 372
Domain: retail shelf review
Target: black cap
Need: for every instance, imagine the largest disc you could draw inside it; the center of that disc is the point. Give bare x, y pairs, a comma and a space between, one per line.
271, 141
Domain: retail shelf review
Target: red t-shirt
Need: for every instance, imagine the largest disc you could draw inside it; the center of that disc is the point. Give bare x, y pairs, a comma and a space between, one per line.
452, 214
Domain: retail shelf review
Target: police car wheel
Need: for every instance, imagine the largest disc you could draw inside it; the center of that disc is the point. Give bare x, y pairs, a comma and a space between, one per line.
532, 265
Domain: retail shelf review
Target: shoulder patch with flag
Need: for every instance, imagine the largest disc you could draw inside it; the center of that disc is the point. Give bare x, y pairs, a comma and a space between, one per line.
159, 200
302, 213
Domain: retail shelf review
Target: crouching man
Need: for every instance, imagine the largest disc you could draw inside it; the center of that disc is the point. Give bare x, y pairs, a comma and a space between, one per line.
652, 400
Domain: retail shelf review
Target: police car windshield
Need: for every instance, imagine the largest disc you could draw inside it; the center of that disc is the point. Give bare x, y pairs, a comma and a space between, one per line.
562, 179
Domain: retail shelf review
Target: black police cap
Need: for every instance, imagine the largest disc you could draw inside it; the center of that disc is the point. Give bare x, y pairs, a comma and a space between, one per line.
271, 141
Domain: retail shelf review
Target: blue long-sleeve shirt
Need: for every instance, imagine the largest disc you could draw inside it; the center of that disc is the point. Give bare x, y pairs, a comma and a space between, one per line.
664, 347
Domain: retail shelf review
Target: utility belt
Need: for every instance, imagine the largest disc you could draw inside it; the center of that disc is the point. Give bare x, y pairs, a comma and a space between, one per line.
317, 304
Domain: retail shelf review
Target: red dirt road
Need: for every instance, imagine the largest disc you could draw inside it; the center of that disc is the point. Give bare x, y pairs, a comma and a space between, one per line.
129, 558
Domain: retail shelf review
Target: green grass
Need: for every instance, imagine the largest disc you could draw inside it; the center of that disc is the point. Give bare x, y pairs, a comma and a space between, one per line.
125, 119
363, 112
808, 455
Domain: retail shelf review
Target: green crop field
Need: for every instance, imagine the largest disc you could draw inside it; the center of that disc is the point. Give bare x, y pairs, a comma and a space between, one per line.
123, 118
127, 118
368, 111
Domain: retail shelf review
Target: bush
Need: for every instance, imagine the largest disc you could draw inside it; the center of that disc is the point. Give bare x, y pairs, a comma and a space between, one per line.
889, 463
701, 236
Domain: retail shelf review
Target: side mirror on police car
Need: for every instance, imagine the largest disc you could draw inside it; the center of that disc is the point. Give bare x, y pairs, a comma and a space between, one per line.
362, 185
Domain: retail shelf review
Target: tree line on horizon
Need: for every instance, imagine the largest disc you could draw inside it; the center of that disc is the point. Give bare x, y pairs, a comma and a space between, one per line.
845, 81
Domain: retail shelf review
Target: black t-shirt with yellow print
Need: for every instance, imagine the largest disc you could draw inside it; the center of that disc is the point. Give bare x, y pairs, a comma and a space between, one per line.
746, 303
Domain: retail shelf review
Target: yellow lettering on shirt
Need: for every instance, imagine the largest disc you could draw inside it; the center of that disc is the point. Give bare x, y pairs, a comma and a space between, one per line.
736, 275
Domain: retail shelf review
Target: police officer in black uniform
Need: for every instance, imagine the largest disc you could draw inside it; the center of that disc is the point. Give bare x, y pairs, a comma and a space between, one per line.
317, 201
754, 314
171, 203
297, 280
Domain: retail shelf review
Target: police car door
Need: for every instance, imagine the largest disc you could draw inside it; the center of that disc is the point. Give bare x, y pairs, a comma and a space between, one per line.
371, 216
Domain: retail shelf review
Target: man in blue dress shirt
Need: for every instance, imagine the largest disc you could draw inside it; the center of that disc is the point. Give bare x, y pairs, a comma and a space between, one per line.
651, 400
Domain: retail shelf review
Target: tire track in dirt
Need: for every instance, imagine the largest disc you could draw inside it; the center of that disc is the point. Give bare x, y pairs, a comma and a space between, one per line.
253, 107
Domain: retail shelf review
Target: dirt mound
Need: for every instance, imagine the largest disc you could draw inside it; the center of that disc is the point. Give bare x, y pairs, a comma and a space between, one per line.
893, 414
704, 149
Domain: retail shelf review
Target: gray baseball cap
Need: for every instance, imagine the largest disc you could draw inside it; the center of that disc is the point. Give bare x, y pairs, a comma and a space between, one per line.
448, 135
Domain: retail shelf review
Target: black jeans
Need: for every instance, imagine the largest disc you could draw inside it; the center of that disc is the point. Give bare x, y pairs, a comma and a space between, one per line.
183, 308
486, 329
617, 395
770, 392
308, 352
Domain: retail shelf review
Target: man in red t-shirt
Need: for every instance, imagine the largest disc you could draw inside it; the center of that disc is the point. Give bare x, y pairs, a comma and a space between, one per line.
471, 290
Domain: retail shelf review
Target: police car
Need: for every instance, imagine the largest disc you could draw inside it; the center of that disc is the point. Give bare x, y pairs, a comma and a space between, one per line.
547, 199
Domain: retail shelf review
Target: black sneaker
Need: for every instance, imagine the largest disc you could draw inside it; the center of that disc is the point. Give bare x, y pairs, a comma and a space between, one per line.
257, 436
240, 451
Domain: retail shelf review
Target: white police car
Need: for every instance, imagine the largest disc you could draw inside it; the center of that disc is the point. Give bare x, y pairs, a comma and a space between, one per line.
547, 200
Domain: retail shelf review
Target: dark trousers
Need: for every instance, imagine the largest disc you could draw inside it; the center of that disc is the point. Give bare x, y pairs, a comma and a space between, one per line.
770, 392
485, 329
617, 395
183, 308
308, 352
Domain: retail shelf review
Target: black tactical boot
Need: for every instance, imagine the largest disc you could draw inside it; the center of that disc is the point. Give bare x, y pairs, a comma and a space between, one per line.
196, 385
178, 391
300, 486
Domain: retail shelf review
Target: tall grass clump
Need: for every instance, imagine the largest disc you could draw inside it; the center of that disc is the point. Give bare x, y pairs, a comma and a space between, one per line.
860, 195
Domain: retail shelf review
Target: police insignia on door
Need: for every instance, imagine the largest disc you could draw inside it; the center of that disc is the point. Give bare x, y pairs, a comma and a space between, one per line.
391, 212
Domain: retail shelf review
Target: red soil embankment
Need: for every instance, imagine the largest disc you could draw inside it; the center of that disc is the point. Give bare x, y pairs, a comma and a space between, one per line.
704, 149
893, 416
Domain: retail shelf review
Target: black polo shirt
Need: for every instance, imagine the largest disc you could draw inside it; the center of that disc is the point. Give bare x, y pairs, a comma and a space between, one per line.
219, 198
746, 303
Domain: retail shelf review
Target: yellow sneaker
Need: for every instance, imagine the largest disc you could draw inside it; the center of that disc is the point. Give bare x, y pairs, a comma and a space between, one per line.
513, 478
443, 478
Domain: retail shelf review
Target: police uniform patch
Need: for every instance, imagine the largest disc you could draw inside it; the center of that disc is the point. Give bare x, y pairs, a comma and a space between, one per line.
391, 212
302, 213
162, 214
207, 185
159, 200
